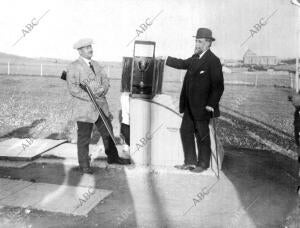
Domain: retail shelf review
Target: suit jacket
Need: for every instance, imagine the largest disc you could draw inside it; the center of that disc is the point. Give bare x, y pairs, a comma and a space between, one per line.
79, 72
203, 84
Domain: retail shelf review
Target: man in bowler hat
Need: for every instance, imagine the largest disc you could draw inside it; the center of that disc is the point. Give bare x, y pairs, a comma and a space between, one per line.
201, 92
86, 70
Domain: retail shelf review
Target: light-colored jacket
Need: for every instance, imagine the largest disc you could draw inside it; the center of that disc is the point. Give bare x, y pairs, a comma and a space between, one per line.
83, 109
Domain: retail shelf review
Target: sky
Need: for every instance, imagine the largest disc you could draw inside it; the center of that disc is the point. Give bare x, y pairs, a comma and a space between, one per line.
112, 24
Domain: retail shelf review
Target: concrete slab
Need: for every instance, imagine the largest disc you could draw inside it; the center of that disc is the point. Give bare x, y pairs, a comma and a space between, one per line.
69, 150
10, 187
26, 149
165, 170
72, 162
77, 200
156, 203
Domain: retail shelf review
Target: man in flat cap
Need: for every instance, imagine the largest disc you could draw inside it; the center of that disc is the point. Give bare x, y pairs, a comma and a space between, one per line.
86, 70
201, 92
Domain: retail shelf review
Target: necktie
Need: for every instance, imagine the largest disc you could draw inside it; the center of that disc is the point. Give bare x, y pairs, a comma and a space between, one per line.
92, 67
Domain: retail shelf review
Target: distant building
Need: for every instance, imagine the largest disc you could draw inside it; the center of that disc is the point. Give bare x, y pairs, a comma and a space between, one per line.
252, 59
226, 70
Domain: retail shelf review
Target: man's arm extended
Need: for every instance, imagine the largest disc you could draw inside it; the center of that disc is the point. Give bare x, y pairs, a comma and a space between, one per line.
178, 63
217, 86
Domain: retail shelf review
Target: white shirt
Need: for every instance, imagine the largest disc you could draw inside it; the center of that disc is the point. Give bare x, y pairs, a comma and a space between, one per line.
125, 107
86, 60
202, 54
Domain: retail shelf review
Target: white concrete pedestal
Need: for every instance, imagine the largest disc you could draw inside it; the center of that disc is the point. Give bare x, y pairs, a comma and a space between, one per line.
155, 137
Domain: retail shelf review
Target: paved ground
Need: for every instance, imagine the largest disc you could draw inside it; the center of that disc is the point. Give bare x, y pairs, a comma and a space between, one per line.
256, 189
26, 149
75, 200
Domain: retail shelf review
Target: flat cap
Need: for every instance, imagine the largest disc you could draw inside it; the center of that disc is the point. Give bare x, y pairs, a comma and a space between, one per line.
83, 43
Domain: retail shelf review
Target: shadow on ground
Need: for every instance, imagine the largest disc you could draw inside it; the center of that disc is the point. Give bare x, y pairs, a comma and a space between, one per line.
108, 213
68, 133
23, 132
266, 183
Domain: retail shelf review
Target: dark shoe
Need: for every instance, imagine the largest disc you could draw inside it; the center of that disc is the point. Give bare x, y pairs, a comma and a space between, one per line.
199, 169
120, 161
185, 167
87, 170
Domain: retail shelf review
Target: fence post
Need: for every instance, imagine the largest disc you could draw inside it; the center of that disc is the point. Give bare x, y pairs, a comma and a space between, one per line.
41, 69
8, 68
291, 77
108, 73
256, 79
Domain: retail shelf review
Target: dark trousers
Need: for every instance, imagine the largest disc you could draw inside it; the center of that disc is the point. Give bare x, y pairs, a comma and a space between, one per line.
84, 137
125, 132
297, 130
188, 130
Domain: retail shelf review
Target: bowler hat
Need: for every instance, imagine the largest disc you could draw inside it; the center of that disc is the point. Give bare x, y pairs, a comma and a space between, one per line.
204, 33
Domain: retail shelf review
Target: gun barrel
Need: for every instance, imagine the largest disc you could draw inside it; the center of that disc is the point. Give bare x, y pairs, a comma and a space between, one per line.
92, 97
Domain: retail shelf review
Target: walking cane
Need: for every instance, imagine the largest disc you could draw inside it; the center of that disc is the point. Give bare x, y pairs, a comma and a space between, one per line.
215, 136
102, 116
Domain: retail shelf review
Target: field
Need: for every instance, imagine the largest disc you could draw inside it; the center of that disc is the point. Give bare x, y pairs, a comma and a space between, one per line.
30, 102
252, 117
21, 66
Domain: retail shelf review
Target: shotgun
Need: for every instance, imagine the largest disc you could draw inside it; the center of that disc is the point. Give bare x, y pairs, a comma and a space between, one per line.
85, 87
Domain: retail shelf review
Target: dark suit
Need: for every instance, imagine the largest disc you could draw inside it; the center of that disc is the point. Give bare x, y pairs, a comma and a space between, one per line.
297, 125
203, 86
